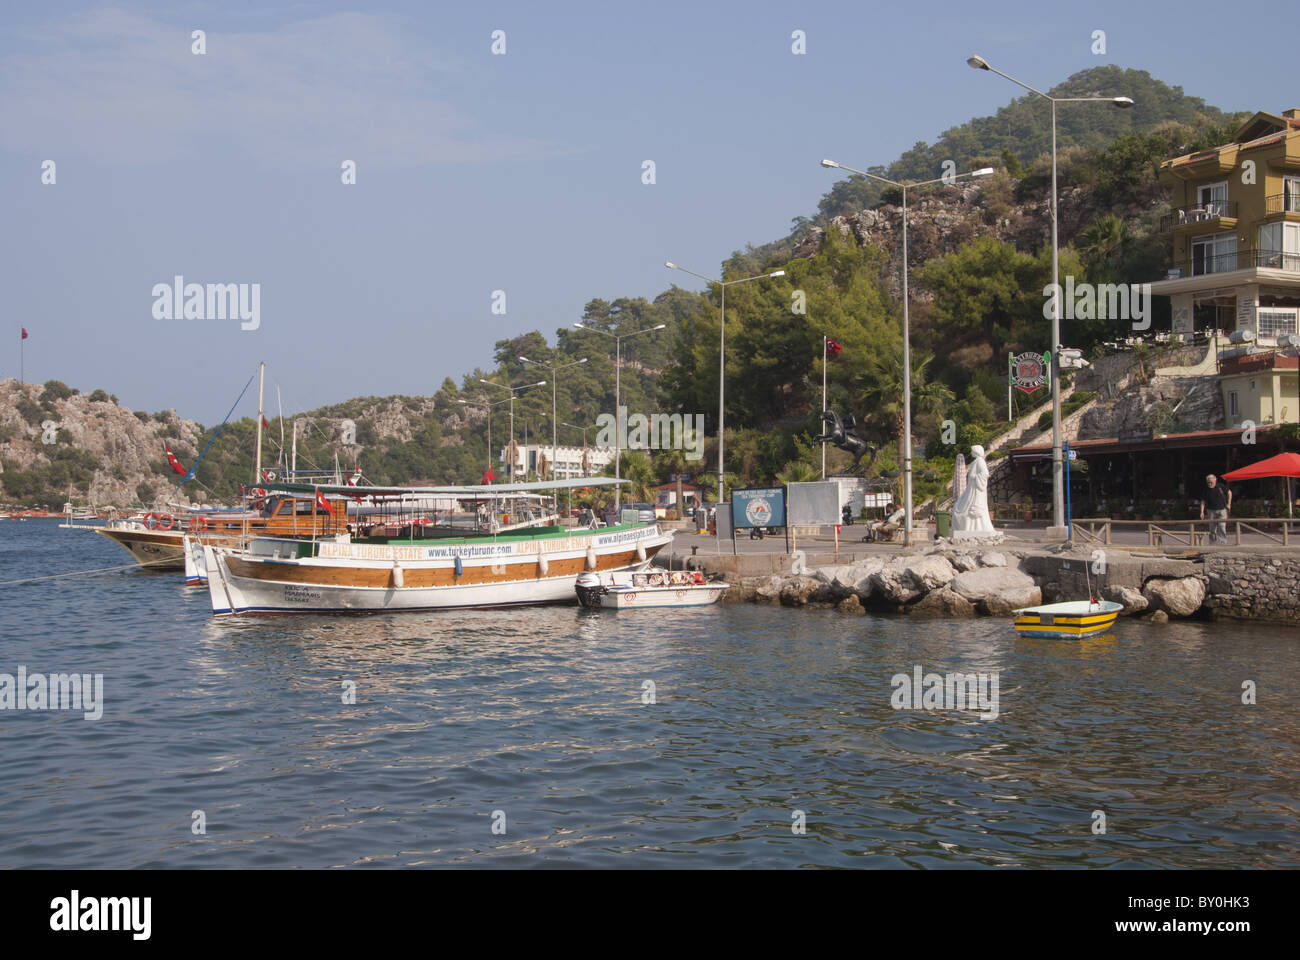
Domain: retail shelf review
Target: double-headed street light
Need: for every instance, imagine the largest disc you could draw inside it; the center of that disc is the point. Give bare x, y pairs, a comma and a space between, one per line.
1123, 103
488, 407
907, 346
618, 384
722, 346
513, 391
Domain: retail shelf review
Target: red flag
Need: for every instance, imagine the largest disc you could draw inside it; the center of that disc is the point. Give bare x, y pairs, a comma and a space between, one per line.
172, 461
24, 333
265, 425
832, 348
489, 477
323, 503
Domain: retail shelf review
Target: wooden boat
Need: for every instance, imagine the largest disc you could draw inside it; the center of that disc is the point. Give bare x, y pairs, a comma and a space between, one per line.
1072, 619
652, 587
341, 574
157, 540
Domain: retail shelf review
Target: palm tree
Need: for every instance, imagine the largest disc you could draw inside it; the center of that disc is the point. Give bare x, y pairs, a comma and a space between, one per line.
1103, 244
799, 471
882, 390
640, 476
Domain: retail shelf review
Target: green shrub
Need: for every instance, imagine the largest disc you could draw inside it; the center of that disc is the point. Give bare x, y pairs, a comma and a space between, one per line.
55, 390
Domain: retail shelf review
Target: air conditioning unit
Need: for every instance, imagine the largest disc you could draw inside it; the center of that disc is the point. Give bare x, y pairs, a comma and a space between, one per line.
1174, 273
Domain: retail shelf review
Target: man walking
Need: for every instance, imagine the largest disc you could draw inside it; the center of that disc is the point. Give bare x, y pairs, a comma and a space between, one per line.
1218, 500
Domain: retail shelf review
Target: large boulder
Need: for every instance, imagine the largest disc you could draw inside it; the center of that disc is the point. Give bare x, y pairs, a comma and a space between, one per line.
997, 590
769, 592
994, 559
798, 590
943, 603
851, 605
1132, 601
1178, 598
856, 577
904, 579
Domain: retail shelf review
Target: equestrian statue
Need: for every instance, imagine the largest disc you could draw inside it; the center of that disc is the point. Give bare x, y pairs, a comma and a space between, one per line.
840, 433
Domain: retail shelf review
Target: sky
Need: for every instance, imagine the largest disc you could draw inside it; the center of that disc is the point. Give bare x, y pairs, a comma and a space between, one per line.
520, 171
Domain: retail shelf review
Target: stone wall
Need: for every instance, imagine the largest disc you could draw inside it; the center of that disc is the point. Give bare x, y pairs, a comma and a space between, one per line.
1254, 586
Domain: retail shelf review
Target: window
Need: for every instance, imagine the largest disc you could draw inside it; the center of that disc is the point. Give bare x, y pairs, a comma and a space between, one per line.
1232, 404
1214, 253
1277, 321
1212, 193
1291, 194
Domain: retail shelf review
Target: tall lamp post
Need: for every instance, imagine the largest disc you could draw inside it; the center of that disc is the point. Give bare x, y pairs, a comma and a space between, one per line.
722, 345
907, 332
584, 456
618, 386
1058, 530
513, 391
488, 407
554, 419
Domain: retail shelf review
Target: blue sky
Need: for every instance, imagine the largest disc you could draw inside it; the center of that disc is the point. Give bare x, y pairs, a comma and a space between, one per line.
475, 172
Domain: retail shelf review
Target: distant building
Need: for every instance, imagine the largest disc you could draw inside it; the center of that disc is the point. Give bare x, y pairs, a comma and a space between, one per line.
1235, 227
666, 495
567, 461
1263, 388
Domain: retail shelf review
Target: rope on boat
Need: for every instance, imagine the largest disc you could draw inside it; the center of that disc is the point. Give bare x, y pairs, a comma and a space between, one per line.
78, 573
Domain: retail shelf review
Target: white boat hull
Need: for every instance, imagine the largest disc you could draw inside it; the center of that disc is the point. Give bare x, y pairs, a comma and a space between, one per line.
395, 578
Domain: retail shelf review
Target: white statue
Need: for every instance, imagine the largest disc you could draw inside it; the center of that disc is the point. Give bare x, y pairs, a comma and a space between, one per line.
970, 514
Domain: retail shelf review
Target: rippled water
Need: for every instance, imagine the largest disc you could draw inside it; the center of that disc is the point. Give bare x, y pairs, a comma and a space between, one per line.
538, 714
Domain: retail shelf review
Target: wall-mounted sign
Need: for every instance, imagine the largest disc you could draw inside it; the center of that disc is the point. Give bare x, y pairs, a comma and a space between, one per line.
1029, 371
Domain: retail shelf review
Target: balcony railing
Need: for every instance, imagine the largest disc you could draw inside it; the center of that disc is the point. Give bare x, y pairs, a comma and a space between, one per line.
1270, 259
1277, 260
1283, 203
1198, 213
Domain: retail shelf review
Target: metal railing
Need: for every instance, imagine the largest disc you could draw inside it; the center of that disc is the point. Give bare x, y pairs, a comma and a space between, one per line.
1199, 266
1283, 203
1198, 213
1277, 260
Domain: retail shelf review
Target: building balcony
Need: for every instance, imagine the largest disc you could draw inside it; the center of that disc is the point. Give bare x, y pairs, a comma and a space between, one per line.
1244, 260
1221, 215
1282, 203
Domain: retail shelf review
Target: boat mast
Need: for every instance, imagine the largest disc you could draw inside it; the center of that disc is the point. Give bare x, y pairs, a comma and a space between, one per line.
261, 381
293, 457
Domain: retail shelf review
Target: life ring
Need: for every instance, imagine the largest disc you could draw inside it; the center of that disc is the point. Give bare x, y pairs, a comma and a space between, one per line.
198, 524
166, 521
151, 521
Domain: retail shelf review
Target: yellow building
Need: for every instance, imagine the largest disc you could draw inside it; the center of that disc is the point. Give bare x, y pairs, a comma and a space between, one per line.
1235, 227
1261, 387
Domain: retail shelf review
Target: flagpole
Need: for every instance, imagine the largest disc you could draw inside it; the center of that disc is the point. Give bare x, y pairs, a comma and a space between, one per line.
22, 358
261, 382
823, 401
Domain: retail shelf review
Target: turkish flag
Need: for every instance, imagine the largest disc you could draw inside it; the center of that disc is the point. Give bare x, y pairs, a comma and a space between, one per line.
265, 425
24, 333
323, 503
172, 461
489, 477
832, 348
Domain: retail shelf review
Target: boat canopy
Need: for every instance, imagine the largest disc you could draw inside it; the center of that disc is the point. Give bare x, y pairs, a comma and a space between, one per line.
468, 492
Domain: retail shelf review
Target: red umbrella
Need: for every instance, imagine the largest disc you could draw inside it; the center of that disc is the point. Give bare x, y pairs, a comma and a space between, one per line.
1283, 465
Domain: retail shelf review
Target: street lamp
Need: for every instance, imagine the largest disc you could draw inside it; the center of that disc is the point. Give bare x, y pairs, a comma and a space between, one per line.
488, 407
618, 384
554, 418
513, 391
722, 345
1123, 103
585, 466
907, 333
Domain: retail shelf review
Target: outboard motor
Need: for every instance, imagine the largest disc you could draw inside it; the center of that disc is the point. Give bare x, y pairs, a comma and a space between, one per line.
589, 589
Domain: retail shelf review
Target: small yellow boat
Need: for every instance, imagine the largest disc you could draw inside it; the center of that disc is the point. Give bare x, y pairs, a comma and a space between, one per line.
1074, 618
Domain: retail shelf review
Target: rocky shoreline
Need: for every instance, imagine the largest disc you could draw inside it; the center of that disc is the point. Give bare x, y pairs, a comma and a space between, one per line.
959, 580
